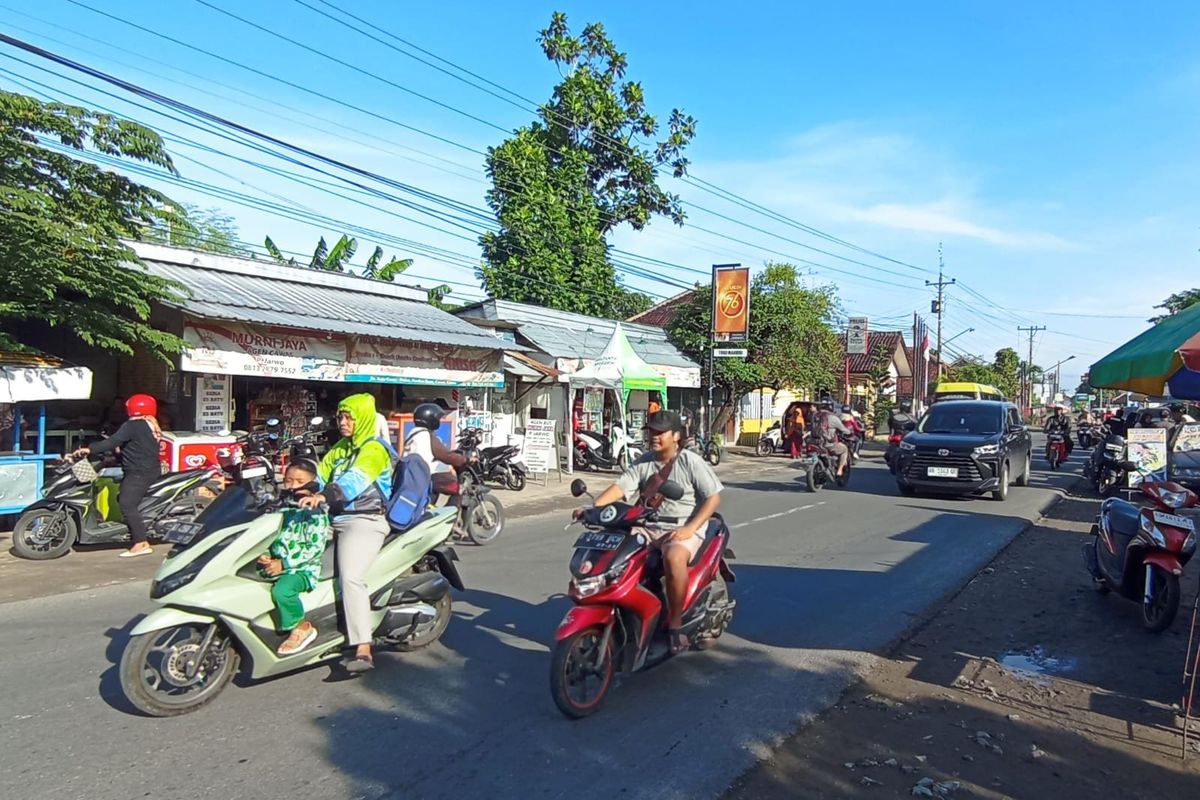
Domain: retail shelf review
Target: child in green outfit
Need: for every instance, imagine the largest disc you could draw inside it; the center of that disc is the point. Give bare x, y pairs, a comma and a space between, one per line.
294, 560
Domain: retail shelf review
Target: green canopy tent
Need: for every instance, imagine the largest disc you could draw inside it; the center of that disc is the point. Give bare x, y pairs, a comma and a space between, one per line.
1164, 357
619, 367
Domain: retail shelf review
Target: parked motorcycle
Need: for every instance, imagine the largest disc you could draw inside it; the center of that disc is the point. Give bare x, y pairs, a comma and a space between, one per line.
820, 467
500, 464
618, 622
216, 609
770, 442
1056, 449
594, 450
79, 506
1141, 552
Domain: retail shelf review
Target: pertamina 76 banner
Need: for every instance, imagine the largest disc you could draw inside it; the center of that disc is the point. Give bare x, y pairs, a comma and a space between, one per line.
731, 303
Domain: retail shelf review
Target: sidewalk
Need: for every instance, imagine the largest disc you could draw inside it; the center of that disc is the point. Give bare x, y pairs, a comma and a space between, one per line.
94, 567
1027, 684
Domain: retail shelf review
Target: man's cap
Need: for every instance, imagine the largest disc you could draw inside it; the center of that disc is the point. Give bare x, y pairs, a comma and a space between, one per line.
664, 420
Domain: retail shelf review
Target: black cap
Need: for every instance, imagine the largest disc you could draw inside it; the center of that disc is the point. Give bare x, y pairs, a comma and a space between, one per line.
664, 421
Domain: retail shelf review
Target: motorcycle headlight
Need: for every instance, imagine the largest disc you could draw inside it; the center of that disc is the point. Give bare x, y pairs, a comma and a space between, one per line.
1189, 544
1173, 499
986, 450
586, 587
1150, 529
177, 580
907, 445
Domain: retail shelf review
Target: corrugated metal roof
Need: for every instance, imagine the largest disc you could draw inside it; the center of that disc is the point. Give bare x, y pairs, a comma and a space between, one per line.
334, 303
566, 335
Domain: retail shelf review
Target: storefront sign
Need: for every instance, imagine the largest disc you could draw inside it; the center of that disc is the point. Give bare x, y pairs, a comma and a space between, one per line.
539, 452
679, 377
1147, 449
387, 361
212, 403
232, 348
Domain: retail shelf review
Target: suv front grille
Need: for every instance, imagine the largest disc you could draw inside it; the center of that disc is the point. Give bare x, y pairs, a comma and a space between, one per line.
922, 460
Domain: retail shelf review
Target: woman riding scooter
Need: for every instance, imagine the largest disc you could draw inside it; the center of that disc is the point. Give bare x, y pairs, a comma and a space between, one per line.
138, 439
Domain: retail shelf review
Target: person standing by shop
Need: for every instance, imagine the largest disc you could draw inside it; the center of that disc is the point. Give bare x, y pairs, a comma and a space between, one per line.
356, 475
138, 439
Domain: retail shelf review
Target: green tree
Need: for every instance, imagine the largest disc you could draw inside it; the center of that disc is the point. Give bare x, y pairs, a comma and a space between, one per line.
330, 260
61, 225
206, 229
792, 342
1176, 303
561, 184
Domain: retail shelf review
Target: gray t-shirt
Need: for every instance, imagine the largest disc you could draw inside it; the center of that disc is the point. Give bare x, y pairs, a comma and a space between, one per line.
691, 472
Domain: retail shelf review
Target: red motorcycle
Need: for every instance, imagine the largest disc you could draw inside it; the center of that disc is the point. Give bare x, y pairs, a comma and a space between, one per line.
1056, 449
1140, 552
618, 623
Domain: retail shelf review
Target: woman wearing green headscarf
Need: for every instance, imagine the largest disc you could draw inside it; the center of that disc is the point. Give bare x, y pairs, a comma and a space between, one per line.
356, 475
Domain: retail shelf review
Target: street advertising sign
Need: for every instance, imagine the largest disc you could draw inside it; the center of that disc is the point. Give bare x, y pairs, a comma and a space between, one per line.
388, 361
1147, 449
1185, 455
731, 303
539, 452
212, 403
856, 336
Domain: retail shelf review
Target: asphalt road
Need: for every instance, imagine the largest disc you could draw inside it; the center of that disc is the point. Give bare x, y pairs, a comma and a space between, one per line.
823, 580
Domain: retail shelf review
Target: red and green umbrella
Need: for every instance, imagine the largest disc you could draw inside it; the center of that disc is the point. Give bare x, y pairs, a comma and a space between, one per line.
1162, 360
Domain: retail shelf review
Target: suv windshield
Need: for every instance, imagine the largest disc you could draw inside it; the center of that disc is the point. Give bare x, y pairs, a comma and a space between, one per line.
963, 420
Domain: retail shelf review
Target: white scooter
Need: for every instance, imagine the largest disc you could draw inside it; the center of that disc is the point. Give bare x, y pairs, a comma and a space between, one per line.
594, 450
771, 441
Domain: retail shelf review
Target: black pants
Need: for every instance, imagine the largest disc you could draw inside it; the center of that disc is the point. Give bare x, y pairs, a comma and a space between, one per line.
133, 489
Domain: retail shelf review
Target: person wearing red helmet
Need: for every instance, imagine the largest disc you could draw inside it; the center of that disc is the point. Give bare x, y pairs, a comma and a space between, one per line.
138, 439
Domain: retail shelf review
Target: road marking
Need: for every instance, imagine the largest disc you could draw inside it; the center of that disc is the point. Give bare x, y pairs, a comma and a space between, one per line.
768, 517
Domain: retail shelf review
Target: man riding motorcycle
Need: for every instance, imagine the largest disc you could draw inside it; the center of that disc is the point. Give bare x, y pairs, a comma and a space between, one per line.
826, 428
901, 417
1059, 422
441, 460
667, 460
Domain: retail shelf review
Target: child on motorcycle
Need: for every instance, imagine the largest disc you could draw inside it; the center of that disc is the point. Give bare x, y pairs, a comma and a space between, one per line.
294, 559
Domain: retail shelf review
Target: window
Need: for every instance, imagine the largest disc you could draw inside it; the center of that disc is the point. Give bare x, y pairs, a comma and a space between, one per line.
962, 420
1014, 417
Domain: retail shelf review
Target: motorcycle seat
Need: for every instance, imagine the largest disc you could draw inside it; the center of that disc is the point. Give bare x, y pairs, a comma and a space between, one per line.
1120, 516
394, 534
710, 538
492, 452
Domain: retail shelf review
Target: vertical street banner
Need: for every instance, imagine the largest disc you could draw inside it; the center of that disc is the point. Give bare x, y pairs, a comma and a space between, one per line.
731, 303
1147, 449
856, 336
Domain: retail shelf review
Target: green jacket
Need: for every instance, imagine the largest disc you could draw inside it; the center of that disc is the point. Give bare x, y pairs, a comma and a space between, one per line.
356, 473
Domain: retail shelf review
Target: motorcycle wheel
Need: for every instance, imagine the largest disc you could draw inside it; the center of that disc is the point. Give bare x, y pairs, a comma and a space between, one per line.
44, 534
764, 448
485, 519
712, 453
810, 479
581, 461
716, 625
432, 631
515, 480
578, 686
153, 675
1159, 613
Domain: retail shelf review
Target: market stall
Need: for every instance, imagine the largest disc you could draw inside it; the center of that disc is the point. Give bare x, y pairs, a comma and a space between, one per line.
31, 381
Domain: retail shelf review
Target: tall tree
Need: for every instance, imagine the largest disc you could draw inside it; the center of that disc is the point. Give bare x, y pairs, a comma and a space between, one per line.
563, 183
207, 229
792, 342
61, 225
337, 259
1176, 303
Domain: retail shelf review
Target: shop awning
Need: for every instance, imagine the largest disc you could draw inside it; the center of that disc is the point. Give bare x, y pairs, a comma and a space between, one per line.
1166, 355
27, 378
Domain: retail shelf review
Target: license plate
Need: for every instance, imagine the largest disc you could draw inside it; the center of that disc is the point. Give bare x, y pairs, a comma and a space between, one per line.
942, 472
1174, 520
182, 532
254, 472
597, 540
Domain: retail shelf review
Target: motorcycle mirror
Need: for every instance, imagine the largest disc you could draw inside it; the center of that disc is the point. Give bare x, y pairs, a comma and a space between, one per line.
273, 422
316, 422
578, 488
671, 490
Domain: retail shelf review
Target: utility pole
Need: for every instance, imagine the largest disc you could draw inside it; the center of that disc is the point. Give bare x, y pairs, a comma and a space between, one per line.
1027, 372
938, 306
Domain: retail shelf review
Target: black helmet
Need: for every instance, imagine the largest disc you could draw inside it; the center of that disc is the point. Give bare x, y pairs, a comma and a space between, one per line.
1178, 407
428, 416
826, 404
906, 406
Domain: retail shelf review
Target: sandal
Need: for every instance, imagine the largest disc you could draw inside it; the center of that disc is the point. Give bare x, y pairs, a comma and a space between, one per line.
131, 553
359, 664
679, 641
297, 641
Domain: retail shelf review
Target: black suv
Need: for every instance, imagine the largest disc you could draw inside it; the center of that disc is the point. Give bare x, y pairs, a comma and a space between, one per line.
966, 447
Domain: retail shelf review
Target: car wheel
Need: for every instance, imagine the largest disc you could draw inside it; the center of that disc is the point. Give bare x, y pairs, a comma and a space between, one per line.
1001, 493
1024, 479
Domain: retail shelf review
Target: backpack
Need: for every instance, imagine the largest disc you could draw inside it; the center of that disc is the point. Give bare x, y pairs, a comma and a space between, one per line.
412, 492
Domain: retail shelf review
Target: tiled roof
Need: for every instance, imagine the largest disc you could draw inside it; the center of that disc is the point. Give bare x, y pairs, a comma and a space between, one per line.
664, 313
863, 362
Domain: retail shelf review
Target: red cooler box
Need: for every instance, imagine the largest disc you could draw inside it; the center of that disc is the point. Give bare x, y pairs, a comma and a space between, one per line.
183, 451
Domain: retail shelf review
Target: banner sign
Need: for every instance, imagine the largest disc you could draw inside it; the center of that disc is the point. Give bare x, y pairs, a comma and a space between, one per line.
1147, 449
234, 348
539, 452
1185, 455
731, 303
856, 336
212, 403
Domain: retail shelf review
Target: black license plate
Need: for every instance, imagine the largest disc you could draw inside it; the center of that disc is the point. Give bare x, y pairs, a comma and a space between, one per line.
597, 540
182, 532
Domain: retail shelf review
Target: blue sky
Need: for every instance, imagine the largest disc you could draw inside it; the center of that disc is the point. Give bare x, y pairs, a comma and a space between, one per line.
1051, 150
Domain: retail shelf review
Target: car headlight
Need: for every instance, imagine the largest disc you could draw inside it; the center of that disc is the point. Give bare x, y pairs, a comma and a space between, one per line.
1173, 499
909, 446
1150, 529
986, 450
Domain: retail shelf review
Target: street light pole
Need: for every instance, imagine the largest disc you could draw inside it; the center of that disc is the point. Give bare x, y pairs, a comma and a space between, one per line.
1057, 370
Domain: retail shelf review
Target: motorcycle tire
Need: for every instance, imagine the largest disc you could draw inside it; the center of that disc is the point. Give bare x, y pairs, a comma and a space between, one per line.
764, 448
135, 668
434, 631
572, 664
1158, 615
515, 481
29, 543
712, 454
485, 519
811, 481
1098, 583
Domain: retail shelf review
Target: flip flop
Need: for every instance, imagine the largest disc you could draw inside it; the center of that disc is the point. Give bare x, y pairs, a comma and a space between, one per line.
360, 664
298, 646
135, 553
679, 641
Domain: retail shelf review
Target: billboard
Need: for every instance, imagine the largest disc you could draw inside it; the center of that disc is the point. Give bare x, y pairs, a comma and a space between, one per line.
731, 303
856, 336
